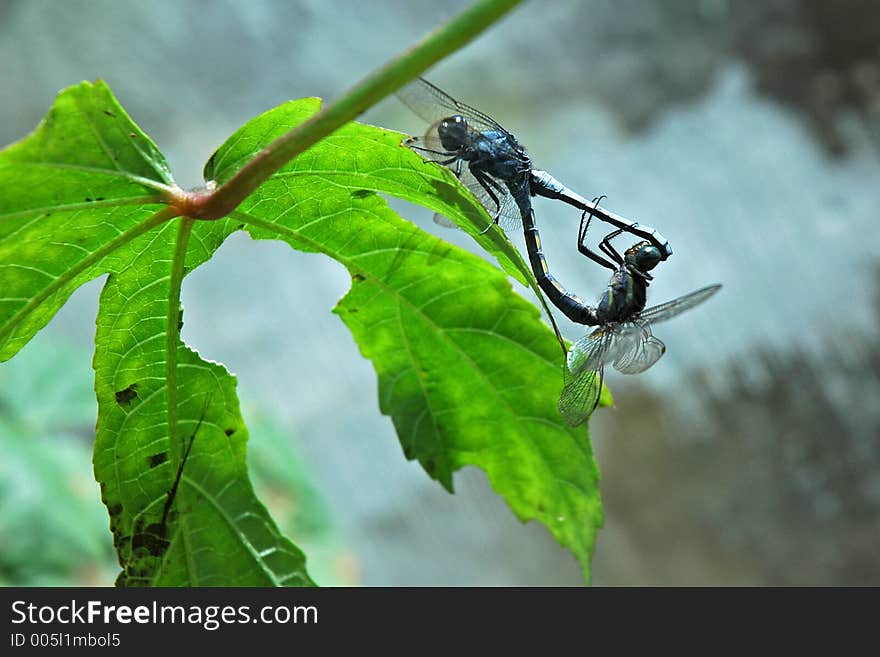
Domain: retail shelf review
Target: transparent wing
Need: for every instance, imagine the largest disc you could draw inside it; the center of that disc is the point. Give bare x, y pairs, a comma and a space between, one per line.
672, 308
433, 105
505, 210
506, 213
440, 220
580, 395
592, 351
636, 349
630, 348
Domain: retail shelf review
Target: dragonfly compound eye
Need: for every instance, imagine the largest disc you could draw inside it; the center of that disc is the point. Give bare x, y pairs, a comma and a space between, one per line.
453, 132
647, 257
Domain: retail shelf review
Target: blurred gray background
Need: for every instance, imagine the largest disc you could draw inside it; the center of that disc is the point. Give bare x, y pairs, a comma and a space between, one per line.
748, 133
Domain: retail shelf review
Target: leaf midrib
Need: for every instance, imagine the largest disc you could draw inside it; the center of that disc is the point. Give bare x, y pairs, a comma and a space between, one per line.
70, 274
88, 205
115, 173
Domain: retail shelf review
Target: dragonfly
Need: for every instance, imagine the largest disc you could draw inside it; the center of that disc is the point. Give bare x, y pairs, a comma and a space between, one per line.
495, 167
623, 337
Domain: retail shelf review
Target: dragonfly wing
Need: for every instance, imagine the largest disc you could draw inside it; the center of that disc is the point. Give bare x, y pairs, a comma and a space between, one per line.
672, 308
580, 395
505, 210
595, 349
420, 96
440, 220
433, 105
509, 215
637, 349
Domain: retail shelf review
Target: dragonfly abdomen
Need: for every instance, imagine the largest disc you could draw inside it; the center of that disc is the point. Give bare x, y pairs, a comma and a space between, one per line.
571, 305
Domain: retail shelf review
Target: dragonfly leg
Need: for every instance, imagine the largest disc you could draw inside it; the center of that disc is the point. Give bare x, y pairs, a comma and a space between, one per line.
585, 250
431, 151
500, 192
608, 248
488, 185
584, 227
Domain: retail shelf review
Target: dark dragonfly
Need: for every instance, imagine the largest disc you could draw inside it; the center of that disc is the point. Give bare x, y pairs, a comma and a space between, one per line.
623, 337
495, 167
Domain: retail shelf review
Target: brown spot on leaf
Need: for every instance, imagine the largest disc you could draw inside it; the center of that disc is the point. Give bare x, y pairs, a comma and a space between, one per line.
157, 459
152, 540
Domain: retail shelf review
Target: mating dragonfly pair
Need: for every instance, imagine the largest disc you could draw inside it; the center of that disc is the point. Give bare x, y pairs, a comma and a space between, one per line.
492, 164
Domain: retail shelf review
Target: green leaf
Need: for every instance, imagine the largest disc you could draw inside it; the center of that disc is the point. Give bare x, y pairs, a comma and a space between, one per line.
75, 194
80, 200
467, 371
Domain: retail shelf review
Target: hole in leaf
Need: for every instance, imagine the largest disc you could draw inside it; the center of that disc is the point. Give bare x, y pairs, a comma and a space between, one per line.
126, 396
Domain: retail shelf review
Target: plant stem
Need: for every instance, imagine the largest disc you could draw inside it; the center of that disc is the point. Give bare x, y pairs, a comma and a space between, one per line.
435, 46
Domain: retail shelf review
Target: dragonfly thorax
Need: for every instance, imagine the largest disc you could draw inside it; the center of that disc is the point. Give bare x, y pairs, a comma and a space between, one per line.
624, 298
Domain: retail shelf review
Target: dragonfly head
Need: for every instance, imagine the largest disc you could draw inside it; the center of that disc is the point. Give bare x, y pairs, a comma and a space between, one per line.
642, 258
453, 132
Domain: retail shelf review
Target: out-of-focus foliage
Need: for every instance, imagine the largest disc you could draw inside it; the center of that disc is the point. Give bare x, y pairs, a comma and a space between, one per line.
53, 527
282, 482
